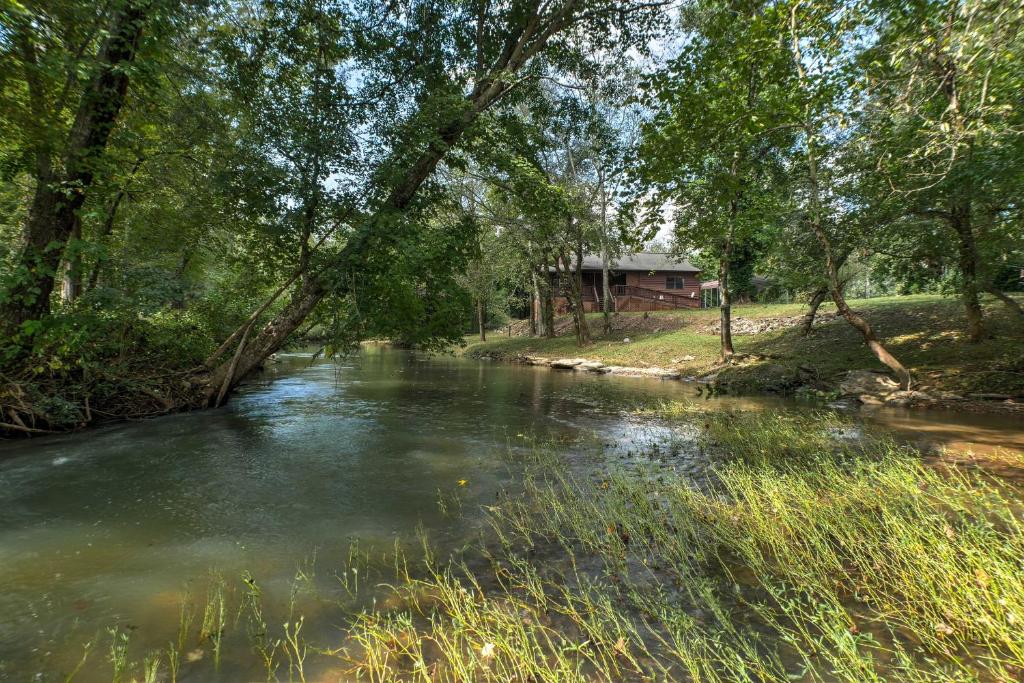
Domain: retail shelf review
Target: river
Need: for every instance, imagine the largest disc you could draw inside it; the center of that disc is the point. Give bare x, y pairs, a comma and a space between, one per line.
115, 526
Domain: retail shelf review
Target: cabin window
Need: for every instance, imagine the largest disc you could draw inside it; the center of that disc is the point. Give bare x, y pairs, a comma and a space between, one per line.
674, 282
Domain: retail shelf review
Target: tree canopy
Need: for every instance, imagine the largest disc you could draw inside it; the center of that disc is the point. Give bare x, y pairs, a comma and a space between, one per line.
187, 187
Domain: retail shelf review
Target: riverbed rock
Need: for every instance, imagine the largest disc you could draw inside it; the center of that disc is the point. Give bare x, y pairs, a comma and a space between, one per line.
867, 383
907, 398
986, 396
567, 363
536, 360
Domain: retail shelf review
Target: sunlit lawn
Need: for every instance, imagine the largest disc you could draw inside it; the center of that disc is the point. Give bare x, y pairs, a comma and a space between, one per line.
924, 331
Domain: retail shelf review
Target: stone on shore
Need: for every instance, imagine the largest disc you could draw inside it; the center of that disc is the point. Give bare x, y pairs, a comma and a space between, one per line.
661, 373
867, 383
567, 363
907, 398
592, 366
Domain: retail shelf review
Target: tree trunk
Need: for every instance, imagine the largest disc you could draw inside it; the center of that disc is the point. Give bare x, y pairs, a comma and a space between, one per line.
967, 253
59, 197
817, 299
836, 288
536, 322
480, 319
547, 311
606, 300
575, 297
545, 304
71, 285
961, 192
725, 307
583, 330
724, 293
606, 294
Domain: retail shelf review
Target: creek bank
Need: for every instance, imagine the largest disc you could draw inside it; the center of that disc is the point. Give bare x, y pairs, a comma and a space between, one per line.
750, 374
873, 388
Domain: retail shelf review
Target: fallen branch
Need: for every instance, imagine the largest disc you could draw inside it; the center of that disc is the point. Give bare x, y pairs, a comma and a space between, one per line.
23, 428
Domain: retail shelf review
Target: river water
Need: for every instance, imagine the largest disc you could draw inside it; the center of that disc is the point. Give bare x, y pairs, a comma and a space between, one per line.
117, 526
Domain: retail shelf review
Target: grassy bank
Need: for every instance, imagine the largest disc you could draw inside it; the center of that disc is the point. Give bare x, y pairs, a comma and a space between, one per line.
925, 332
803, 553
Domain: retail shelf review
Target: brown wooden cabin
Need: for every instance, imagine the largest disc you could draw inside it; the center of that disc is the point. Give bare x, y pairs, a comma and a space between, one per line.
639, 282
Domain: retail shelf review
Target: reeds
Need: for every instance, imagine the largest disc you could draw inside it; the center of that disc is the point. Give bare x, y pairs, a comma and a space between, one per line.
809, 552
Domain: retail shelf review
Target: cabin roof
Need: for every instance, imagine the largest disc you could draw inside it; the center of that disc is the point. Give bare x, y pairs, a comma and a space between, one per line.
644, 261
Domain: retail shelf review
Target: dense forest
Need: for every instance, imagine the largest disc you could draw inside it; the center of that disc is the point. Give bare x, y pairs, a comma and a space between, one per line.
187, 187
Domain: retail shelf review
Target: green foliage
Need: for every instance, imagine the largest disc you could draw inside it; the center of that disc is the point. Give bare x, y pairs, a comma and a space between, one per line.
713, 150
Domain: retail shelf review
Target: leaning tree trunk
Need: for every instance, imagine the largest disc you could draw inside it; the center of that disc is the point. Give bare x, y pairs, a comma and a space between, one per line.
377, 231
58, 197
835, 286
817, 227
817, 299
1010, 302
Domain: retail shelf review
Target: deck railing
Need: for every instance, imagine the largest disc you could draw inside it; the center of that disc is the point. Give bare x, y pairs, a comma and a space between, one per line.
654, 295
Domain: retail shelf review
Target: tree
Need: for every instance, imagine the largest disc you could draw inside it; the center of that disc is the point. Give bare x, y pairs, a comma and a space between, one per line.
711, 150
483, 270
943, 123
470, 55
814, 43
64, 166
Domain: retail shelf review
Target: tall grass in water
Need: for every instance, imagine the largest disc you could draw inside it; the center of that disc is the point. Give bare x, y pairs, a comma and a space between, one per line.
809, 553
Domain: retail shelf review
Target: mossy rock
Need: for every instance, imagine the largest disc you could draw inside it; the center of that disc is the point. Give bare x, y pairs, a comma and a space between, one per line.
758, 378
